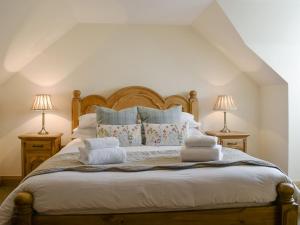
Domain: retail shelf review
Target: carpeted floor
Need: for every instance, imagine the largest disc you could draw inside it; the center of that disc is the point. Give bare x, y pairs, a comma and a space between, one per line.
5, 190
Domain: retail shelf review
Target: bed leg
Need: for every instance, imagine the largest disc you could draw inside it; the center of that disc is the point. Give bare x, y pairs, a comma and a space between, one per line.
23, 209
287, 204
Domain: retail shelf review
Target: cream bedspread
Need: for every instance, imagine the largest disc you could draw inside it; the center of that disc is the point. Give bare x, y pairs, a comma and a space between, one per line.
71, 192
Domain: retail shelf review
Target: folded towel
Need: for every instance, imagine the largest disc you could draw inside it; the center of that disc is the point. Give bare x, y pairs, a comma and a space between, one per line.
202, 154
103, 156
99, 143
201, 141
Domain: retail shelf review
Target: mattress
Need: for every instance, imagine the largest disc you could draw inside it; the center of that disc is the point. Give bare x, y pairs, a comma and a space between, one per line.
147, 191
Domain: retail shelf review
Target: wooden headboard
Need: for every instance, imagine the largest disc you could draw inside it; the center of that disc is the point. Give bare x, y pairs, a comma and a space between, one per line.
131, 96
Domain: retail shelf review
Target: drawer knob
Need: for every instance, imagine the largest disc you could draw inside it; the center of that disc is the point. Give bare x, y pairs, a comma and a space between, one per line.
37, 146
232, 143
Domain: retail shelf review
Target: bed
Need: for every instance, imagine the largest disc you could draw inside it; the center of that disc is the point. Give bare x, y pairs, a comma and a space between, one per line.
231, 195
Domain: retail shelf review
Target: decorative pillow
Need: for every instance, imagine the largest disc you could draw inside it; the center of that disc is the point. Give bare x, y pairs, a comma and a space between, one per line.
150, 115
128, 135
113, 117
166, 134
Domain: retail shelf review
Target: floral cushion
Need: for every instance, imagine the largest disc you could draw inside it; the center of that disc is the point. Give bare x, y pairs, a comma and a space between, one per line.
128, 135
166, 134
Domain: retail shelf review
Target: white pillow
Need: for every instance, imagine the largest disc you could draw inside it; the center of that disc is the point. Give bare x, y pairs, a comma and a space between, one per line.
87, 121
193, 131
84, 133
194, 127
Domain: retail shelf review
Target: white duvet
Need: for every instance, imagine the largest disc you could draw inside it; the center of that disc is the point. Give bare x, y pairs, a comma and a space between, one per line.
160, 190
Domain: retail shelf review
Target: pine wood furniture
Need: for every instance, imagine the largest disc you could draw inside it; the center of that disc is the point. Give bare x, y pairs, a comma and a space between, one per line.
38, 148
284, 211
234, 139
131, 96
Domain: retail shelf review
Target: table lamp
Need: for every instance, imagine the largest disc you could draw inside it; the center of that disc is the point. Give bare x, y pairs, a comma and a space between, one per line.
225, 103
42, 103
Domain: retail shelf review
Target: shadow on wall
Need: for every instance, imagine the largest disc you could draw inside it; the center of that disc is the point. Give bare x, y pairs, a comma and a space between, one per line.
45, 24
124, 45
61, 59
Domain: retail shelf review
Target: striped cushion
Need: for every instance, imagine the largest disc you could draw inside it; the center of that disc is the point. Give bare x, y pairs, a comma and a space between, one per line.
150, 115
113, 117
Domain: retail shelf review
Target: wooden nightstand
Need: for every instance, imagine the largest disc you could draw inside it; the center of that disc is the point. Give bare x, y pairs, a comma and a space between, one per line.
37, 148
234, 139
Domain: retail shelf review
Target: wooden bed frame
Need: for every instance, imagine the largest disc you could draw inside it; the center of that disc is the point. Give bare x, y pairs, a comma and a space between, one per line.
284, 211
131, 96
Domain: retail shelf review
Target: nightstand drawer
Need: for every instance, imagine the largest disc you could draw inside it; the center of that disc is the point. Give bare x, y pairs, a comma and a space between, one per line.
37, 145
233, 143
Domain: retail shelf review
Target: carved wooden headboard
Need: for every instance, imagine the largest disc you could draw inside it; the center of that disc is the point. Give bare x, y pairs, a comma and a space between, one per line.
131, 96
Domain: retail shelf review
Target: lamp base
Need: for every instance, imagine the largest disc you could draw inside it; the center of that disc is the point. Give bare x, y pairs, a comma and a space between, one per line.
43, 132
225, 130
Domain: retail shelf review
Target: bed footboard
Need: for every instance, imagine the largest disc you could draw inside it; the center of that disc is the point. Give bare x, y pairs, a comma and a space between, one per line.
287, 204
284, 212
23, 209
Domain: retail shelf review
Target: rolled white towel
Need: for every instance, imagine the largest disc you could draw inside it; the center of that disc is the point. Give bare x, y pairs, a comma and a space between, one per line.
99, 143
202, 154
103, 156
201, 141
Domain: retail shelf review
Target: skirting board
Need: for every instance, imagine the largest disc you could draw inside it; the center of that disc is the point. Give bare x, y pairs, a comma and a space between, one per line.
10, 180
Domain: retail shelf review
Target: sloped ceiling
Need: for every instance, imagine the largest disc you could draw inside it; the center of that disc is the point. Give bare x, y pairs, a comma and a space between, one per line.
214, 25
31, 27
171, 12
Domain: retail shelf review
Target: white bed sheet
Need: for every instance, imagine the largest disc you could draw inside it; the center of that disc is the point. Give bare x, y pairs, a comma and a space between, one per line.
160, 190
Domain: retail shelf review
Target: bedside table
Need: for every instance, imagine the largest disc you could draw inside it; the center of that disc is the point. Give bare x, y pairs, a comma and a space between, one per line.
234, 139
37, 148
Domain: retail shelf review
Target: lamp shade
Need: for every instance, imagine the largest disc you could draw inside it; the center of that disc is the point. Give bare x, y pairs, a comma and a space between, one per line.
225, 103
42, 102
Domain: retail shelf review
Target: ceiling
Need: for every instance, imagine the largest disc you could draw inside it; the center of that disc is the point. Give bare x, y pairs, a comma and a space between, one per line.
174, 12
32, 26
213, 24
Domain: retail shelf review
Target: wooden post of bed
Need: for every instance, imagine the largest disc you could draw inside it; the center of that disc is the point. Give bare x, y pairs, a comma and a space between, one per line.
23, 209
75, 108
288, 207
193, 101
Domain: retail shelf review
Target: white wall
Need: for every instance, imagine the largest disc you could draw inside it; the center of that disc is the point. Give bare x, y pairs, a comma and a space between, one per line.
274, 124
213, 24
99, 59
271, 30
